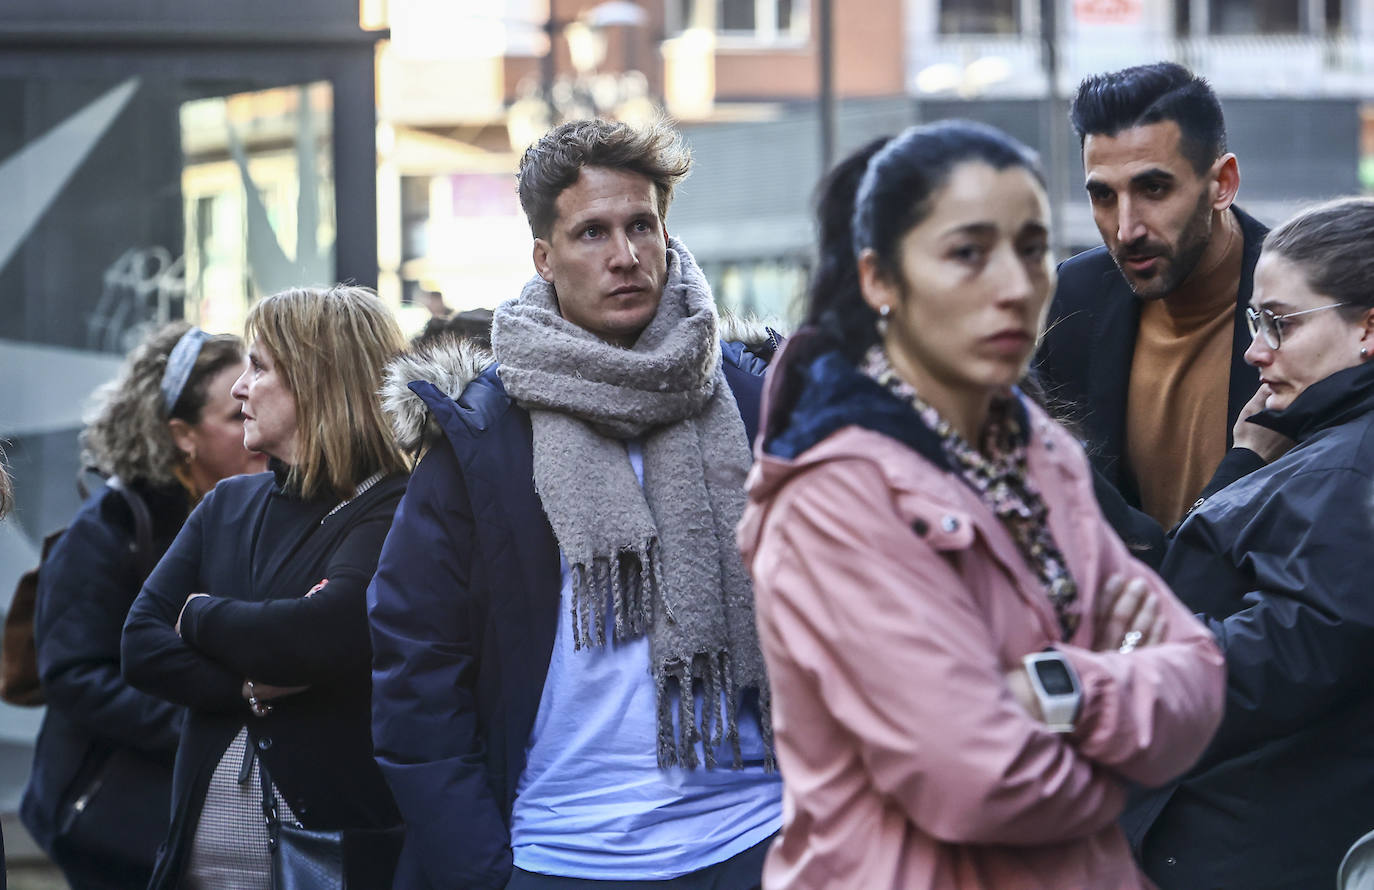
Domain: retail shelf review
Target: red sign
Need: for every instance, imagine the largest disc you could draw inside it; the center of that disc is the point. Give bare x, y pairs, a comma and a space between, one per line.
1106, 12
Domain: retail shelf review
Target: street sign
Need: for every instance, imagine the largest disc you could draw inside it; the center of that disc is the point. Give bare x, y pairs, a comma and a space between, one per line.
1107, 12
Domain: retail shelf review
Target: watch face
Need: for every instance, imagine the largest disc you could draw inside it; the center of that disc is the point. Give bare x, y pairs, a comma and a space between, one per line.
1054, 677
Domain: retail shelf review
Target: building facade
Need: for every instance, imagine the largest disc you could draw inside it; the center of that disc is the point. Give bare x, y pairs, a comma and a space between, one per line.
158, 161
742, 78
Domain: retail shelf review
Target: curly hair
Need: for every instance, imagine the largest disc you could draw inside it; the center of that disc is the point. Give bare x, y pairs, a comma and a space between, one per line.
555, 162
126, 432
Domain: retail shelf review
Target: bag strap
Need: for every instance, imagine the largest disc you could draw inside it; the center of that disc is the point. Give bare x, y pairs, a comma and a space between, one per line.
144, 557
269, 800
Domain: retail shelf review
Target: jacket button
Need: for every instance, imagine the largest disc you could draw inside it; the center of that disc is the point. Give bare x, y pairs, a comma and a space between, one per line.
921, 527
949, 524
1171, 861
264, 743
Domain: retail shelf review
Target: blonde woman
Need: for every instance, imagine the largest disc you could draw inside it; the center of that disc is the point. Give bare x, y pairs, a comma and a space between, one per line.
255, 618
163, 432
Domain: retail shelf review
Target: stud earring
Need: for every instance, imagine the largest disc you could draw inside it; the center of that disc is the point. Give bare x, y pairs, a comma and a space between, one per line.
1364, 352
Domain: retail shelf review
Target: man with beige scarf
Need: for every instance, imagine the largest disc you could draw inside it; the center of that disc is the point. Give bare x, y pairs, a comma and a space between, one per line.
568, 688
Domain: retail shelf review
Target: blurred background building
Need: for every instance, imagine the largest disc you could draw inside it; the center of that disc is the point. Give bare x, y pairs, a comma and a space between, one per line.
465, 85
158, 160
161, 159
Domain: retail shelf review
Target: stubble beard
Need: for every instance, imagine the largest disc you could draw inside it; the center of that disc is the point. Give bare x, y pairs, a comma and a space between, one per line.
1178, 263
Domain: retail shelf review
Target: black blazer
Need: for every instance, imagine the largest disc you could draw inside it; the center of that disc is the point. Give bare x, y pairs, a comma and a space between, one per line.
1084, 360
258, 550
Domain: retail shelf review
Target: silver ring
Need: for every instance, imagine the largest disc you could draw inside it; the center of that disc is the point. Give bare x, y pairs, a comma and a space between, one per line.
1130, 641
259, 707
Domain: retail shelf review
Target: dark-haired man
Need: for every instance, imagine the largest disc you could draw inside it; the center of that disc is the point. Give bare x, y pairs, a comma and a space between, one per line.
1146, 335
562, 574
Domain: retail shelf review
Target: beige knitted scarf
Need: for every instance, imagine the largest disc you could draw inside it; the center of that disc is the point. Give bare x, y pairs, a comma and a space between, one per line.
662, 555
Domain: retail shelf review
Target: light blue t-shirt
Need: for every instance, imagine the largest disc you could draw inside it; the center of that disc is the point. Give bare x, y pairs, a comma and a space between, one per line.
592, 802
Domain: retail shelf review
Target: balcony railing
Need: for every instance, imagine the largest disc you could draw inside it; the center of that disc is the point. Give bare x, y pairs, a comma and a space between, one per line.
1278, 65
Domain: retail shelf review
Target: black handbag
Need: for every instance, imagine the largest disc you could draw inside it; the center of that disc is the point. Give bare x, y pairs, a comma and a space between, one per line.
116, 812
348, 859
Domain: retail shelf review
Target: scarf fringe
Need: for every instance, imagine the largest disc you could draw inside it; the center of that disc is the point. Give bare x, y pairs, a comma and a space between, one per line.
630, 583
715, 674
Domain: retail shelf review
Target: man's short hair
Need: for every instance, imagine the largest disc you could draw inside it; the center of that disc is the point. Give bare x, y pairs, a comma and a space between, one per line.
1108, 103
554, 163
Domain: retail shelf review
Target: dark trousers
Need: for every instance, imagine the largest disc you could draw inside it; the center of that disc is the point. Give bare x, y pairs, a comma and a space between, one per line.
743, 871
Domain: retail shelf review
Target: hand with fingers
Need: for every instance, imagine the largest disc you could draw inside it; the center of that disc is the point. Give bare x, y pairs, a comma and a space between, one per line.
1128, 616
261, 696
1268, 444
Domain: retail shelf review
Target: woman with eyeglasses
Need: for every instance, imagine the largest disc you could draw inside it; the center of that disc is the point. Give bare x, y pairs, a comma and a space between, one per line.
1280, 564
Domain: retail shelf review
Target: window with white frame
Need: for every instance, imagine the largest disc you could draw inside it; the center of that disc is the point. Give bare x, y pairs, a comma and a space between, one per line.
1258, 17
980, 16
762, 20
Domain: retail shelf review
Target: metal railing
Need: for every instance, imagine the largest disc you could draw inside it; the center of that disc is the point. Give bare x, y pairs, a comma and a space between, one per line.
1259, 65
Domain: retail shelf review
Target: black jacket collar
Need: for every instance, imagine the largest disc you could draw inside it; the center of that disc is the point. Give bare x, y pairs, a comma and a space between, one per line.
1329, 402
827, 393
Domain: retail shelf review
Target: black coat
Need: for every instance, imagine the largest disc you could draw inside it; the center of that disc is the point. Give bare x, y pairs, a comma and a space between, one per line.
101, 738
1279, 565
1084, 360
464, 611
258, 550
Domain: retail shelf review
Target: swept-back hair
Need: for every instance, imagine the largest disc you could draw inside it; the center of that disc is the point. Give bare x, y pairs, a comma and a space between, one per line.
126, 430
330, 347
1333, 244
834, 302
1108, 103
554, 163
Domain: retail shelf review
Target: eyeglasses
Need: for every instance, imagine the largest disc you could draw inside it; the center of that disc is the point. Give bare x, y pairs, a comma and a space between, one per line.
1265, 322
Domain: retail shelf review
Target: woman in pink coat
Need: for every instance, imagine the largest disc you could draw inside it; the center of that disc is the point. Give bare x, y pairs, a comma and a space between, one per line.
968, 667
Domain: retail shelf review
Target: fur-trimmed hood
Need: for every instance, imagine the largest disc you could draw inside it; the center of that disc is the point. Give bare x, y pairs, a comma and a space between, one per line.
451, 364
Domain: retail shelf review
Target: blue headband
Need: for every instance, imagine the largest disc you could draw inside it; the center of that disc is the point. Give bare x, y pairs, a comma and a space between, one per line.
179, 365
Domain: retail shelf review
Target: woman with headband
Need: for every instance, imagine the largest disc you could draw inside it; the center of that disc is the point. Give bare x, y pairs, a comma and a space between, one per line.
163, 433
256, 619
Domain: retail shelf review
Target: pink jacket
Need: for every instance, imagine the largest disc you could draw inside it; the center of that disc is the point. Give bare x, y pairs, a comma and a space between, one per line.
891, 602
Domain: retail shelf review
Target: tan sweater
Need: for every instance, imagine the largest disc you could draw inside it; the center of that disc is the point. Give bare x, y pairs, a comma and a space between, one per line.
1180, 376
